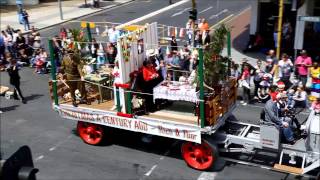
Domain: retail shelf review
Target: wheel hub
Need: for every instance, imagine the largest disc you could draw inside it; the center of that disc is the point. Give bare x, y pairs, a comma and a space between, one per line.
198, 153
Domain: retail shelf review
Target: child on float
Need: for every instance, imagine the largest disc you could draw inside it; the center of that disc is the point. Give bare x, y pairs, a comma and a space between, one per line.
116, 76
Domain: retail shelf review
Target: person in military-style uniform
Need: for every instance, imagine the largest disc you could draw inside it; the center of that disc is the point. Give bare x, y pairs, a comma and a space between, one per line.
72, 68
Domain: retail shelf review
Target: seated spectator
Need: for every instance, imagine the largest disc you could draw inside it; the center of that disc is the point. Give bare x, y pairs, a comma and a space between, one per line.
316, 105
37, 43
291, 101
300, 97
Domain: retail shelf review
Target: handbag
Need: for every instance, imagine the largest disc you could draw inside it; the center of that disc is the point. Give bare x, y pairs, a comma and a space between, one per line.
309, 81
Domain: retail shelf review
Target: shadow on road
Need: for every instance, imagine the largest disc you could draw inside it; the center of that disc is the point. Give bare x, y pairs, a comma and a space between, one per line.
33, 97
9, 108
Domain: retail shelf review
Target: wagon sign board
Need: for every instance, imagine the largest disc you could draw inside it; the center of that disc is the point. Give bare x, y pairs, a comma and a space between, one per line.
187, 133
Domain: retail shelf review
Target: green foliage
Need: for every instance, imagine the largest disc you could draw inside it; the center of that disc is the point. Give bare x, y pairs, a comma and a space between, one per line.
216, 66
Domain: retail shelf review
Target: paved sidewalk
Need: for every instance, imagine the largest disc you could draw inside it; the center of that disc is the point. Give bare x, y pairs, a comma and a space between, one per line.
48, 14
240, 25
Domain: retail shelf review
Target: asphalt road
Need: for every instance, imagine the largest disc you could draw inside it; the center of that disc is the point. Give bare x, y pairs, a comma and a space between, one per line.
60, 154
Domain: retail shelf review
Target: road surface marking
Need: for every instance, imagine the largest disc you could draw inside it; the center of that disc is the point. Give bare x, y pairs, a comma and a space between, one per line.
39, 157
150, 171
207, 176
222, 21
161, 158
152, 14
217, 15
205, 9
60, 143
180, 12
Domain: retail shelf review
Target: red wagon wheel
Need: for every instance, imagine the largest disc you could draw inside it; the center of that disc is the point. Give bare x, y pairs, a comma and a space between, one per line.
199, 156
90, 133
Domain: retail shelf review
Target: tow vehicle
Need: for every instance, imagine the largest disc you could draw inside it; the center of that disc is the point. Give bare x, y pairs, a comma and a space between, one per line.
209, 129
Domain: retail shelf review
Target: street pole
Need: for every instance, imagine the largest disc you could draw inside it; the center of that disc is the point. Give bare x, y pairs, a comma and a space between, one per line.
279, 28
60, 8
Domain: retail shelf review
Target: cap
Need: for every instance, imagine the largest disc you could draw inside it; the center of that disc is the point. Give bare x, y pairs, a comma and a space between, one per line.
280, 84
303, 52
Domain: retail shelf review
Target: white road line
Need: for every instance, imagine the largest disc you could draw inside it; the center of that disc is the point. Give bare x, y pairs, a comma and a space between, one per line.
150, 171
217, 15
180, 12
152, 14
205, 9
59, 143
39, 157
207, 176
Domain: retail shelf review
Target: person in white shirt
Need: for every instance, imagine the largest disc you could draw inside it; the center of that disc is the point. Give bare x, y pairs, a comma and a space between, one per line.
300, 97
7, 41
285, 70
113, 34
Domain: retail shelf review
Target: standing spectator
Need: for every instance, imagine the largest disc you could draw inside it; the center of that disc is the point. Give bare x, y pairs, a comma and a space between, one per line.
13, 71
203, 26
96, 3
258, 74
197, 38
94, 48
9, 30
37, 43
111, 53
302, 63
2, 48
285, 69
189, 29
7, 41
245, 78
113, 34
235, 70
174, 44
274, 61
20, 41
205, 38
287, 34
25, 17
63, 33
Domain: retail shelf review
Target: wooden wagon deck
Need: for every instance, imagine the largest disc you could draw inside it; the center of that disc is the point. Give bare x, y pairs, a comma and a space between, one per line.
164, 114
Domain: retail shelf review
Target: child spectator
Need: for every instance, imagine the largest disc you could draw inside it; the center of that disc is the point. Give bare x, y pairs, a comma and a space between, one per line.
300, 97
316, 105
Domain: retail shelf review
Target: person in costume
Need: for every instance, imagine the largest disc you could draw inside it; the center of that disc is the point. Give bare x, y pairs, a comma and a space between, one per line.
315, 75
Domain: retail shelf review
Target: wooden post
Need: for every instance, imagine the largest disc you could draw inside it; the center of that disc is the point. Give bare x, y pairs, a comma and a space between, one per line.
200, 75
53, 73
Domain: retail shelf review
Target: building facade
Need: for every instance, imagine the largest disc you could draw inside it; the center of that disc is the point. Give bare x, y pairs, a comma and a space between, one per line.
300, 28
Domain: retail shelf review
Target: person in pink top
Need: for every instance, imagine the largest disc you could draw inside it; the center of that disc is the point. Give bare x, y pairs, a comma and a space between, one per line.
302, 63
316, 105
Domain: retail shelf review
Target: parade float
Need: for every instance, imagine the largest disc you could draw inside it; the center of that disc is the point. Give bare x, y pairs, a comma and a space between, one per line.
199, 113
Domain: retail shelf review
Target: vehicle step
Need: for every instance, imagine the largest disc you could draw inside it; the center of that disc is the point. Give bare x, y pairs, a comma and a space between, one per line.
288, 169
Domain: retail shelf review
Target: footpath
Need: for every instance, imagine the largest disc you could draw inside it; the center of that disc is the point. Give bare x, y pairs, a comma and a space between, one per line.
48, 14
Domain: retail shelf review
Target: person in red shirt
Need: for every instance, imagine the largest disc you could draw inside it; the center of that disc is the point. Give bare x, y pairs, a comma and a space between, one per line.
151, 79
149, 71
